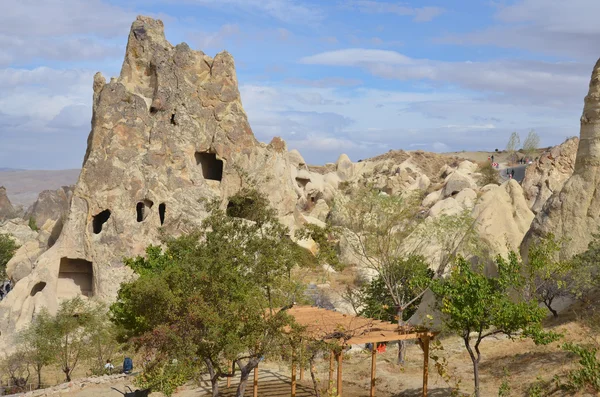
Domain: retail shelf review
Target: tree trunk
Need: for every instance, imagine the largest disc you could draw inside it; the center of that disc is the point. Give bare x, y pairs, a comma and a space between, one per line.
244, 374
67, 372
39, 376
548, 304
314, 377
214, 378
475, 361
402, 343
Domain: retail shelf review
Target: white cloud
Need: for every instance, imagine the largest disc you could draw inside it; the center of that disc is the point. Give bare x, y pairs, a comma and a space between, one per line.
290, 11
216, 40
556, 27
419, 14
553, 83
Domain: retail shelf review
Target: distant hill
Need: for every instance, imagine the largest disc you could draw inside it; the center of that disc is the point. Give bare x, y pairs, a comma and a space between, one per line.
23, 186
9, 169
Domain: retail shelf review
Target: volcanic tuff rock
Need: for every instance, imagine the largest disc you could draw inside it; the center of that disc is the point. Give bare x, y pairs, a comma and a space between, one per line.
573, 212
7, 211
549, 173
169, 132
51, 205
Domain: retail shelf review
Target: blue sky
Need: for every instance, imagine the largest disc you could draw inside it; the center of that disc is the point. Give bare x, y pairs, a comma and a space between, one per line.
334, 76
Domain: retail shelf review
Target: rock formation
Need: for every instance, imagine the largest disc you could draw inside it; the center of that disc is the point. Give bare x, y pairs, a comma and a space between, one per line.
7, 211
573, 213
549, 173
166, 134
51, 205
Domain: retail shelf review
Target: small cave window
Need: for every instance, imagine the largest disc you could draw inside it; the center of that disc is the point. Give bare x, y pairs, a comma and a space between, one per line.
212, 167
75, 277
243, 208
302, 182
162, 210
99, 221
143, 209
39, 287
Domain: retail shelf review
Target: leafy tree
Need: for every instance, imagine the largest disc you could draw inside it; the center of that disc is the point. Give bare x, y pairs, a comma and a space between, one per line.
17, 367
407, 279
70, 332
8, 247
472, 302
531, 144
512, 146
211, 297
39, 343
378, 228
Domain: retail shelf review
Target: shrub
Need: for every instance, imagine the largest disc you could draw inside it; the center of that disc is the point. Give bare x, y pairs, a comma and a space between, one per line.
488, 174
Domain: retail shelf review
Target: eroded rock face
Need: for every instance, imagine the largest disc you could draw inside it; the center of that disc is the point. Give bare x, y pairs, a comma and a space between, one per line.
166, 134
51, 205
573, 212
549, 173
7, 211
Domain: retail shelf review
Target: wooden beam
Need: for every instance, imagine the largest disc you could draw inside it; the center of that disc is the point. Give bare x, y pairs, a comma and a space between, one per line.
373, 368
425, 341
230, 372
339, 373
293, 377
387, 337
302, 362
331, 364
255, 393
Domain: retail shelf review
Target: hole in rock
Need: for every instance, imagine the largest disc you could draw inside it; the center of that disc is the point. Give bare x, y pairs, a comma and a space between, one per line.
302, 182
75, 277
212, 167
39, 287
162, 209
143, 209
99, 220
173, 119
243, 208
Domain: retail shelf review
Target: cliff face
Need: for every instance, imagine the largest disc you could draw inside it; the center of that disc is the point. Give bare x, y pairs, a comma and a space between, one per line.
166, 134
7, 211
573, 213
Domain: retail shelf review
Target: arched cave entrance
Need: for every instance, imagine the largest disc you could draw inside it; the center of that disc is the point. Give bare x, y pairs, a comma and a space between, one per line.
212, 167
99, 221
75, 276
39, 287
143, 209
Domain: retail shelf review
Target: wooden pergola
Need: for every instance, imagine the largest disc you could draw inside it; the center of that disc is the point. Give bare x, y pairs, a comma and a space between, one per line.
346, 329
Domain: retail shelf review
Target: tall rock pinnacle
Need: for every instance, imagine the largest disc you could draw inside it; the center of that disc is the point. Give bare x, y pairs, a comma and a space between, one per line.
573, 213
169, 132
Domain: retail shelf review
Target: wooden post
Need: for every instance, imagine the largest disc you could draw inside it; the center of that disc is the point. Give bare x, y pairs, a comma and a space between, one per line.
302, 361
229, 371
255, 394
373, 368
293, 377
339, 373
331, 364
425, 341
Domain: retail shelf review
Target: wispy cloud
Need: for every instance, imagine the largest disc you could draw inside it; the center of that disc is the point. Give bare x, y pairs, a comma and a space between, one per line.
419, 14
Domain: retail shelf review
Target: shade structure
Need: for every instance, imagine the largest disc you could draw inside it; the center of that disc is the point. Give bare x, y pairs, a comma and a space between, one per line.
346, 329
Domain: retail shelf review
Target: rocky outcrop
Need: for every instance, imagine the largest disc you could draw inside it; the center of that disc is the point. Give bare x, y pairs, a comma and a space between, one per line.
502, 216
51, 205
573, 213
7, 211
167, 134
549, 173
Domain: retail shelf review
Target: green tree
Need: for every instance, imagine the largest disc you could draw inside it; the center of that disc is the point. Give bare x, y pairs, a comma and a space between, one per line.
531, 144
512, 146
39, 341
70, 332
8, 247
211, 297
473, 303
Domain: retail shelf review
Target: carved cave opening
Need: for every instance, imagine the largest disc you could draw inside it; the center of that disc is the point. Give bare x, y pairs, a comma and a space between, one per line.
302, 182
162, 211
212, 167
241, 208
39, 287
75, 277
99, 221
143, 209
